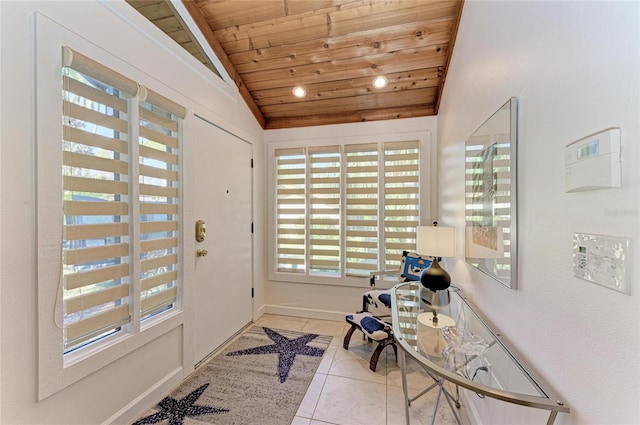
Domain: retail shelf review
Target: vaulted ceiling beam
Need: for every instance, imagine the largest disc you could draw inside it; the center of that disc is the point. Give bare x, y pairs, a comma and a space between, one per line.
204, 28
452, 43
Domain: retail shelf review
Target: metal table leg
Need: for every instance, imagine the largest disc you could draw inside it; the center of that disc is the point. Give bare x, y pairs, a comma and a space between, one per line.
435, 407
403, 367
450, 399
439, 382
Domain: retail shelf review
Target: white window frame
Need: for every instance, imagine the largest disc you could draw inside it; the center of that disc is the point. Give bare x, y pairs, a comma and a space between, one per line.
427, 173
56, 370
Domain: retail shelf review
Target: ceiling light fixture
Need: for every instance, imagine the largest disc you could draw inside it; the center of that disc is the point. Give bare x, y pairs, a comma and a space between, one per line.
299, 91
380, 82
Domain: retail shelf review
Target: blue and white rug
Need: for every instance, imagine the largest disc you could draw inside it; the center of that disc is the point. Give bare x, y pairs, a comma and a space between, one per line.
261, 378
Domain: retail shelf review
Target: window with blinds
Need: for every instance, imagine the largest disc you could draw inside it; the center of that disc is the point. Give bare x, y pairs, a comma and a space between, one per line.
96, 202
346, 210
291, 201
324, 210
106, 177
401, 199
362, 208
158, 195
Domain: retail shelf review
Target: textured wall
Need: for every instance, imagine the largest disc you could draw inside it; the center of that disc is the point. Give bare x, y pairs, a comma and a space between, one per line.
575, 68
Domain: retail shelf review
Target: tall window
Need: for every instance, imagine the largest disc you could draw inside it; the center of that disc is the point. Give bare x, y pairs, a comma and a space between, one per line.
120, 201
158, 196
346, 210
324, 210
401, 200
362, 215
291, 223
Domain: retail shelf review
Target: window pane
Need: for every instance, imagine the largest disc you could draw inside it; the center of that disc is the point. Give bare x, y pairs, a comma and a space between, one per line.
159, 201
327, 196
95, 200
290, 210
401, 199
362, 209
324, 213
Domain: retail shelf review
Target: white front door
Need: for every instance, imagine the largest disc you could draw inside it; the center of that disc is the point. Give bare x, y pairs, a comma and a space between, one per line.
223, 278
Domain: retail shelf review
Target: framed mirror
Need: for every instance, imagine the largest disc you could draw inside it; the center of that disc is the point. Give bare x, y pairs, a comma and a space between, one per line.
490, 196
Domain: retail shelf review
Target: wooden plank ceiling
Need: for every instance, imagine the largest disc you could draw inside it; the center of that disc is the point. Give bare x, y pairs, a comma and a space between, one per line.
331, 48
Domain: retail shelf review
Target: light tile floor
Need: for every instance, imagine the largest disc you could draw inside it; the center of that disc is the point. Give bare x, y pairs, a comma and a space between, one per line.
344, 391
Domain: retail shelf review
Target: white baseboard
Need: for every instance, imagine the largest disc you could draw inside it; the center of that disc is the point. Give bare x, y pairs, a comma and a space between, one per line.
337, 316
137, 407
259, 312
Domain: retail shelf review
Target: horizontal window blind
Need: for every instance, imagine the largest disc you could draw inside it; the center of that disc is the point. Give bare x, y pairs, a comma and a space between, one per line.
346, 210
96, 202
324, 210
159, 172
121, 194
362, 207
401, 199
290, 210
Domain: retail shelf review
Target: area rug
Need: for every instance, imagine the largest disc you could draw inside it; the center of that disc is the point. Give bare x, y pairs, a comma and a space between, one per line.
261, 378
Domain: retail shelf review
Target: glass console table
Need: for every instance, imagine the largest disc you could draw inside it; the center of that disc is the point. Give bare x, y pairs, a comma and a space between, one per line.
484, 365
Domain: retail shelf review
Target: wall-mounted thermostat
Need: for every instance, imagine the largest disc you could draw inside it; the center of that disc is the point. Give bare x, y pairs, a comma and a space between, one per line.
593, 162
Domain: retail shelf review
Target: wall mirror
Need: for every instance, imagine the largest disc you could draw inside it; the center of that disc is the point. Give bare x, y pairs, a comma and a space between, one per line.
490, 196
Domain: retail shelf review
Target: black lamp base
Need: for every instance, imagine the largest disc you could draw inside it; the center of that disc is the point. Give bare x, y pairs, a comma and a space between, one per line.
435, 277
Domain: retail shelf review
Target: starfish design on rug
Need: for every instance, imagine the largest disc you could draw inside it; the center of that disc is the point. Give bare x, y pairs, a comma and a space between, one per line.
286, 348
177, 410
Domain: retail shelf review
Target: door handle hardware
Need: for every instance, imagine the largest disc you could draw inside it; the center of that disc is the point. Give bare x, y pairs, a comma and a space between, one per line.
201, 230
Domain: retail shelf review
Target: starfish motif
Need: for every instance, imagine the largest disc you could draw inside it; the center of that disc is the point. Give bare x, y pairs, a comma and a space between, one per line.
177, 410
286, 348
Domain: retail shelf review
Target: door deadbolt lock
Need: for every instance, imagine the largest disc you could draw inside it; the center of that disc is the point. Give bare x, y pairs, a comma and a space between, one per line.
201, 253
201, 230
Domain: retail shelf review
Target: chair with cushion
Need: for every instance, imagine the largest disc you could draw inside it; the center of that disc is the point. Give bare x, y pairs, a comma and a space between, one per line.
375, 318
378, 298
411, 266
374, 329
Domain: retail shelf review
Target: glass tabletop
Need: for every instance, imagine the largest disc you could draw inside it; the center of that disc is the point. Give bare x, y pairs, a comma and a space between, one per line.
460, 347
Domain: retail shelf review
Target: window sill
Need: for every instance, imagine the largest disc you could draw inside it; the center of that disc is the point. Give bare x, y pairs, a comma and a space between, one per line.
348, 281
83, 363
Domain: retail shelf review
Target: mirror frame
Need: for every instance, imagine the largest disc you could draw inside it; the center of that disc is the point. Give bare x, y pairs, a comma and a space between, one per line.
491, 203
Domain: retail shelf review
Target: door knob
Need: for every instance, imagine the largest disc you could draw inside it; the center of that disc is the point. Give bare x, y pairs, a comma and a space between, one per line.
201, 253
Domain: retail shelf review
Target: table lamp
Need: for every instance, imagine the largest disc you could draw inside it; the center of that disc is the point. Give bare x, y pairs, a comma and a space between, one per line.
436, 241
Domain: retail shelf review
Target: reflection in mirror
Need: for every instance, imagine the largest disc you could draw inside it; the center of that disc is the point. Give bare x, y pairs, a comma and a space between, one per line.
490, 194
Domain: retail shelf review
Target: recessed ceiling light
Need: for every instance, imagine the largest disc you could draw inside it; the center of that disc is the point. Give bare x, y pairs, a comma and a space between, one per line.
380, 82
299, 91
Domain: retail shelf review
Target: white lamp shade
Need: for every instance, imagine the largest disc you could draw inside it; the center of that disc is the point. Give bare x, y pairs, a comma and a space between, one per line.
436, 241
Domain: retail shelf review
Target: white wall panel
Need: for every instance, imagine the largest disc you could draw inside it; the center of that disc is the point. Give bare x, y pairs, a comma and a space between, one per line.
575, 68
127, 386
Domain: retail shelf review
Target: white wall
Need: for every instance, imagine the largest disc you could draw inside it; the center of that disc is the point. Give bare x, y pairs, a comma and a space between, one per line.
575, 68
126, 387
330, 301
